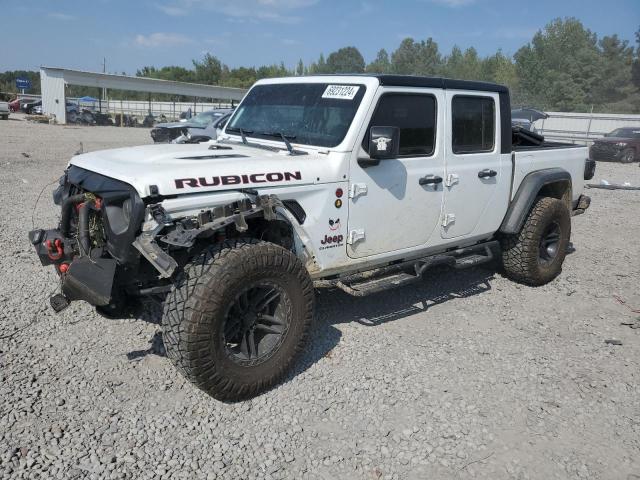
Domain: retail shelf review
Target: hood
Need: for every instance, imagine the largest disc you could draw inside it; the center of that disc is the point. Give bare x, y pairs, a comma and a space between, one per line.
177, 169
180, 125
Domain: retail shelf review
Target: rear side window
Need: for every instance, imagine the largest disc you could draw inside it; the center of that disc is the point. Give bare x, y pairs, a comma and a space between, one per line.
473, 124
414, 115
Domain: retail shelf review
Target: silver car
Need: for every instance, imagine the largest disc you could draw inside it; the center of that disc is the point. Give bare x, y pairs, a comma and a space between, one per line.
204, 126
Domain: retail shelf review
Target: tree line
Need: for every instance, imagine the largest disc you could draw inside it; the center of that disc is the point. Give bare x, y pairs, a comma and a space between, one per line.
565, 67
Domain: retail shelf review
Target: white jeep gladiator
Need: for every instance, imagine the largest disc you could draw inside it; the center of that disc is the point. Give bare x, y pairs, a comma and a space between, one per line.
361, 181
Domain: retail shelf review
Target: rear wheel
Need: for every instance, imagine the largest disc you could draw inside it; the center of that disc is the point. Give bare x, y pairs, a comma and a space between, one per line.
628, 155
237, 317
535, 255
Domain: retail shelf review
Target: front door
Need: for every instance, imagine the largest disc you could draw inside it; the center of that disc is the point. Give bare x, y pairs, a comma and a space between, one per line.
390, 208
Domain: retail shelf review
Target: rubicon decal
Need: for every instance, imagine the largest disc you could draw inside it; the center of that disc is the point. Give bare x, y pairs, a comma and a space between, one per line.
272, 177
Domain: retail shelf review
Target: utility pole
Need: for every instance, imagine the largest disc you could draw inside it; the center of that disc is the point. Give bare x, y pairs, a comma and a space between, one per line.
104, 89
104, 70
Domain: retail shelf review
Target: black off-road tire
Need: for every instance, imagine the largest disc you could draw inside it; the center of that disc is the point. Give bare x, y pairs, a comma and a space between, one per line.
203, 296
523, 256
628, 155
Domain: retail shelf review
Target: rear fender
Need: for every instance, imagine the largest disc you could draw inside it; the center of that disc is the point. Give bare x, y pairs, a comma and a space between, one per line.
549, 182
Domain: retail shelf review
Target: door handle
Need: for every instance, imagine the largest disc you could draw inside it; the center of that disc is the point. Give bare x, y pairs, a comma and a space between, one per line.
487, 173
430, 180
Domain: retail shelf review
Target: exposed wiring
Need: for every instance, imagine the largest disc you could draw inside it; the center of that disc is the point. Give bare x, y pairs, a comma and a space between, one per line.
33, 212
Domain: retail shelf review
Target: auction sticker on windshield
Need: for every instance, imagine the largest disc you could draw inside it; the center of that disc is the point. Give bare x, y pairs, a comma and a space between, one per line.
341, 92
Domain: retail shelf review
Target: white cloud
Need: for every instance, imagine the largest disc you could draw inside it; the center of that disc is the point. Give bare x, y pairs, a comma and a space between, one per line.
160, 39
61, 16
454, 3
173, 11
280, 11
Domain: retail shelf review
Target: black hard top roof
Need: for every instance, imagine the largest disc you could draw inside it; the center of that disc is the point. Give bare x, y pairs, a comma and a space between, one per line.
425, 82
438, 82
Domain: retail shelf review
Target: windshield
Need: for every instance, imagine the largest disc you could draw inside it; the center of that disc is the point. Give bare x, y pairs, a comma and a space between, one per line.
205, 118
305, 113
625, 133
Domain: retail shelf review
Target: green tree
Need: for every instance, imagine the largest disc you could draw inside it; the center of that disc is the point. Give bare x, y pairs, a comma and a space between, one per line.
381, 64
558, 68
417, 58
464, 66
635, 69
499, 68
345, 60
614, 72
208, 70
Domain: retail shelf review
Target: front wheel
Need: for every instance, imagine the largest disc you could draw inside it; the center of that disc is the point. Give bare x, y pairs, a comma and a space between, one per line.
535, 255
237, 317
628, 155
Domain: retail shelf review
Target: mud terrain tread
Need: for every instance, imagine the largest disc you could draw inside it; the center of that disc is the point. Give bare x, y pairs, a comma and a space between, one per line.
520, 251
197, 298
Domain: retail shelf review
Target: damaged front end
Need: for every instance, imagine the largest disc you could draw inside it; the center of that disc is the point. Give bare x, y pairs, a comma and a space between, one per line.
111, 245
99, 220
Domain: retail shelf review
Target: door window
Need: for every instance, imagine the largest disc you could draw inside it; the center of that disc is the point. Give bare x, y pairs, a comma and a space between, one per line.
473, 124
414, 115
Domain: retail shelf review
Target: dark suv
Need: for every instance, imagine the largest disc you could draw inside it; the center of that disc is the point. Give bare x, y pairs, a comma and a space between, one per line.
623, 145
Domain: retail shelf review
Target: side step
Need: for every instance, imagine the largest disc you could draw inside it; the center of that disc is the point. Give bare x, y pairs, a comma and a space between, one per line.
458, 259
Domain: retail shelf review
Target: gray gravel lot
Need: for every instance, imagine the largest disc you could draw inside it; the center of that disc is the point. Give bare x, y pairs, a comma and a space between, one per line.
467, 375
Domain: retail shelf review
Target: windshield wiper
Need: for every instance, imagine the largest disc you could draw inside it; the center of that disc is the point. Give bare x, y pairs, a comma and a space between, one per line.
285, 139
241, 131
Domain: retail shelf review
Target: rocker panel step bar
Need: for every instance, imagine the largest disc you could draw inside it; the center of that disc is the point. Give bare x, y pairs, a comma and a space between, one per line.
458, 259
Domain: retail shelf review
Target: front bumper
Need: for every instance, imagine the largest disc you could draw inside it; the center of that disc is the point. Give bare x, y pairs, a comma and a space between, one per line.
605, 151
100, 218
81, 277
164, 135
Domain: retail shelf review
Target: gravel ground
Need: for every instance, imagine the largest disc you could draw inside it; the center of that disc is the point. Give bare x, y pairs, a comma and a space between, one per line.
467, 375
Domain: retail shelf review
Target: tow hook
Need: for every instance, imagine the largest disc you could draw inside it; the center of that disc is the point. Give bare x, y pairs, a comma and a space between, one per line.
55, 249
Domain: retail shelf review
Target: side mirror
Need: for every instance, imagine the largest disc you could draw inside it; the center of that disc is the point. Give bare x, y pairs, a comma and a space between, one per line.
384, 143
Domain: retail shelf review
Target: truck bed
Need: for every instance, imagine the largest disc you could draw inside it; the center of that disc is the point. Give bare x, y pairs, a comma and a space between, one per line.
545, 146
566, 156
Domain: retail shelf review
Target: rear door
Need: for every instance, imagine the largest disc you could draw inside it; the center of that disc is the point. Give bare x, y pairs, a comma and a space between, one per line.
476, 172
389, 209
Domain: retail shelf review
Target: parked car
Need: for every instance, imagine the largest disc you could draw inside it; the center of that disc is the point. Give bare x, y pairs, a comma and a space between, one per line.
14, 105
4, 110
72, 111
364, 182
27, 105
622, 145
202, 127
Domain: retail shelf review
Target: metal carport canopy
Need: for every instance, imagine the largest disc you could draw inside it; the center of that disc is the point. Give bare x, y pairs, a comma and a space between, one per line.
53, 80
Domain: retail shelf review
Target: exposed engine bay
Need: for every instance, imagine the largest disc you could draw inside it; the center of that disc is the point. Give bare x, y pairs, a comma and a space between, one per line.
111, 244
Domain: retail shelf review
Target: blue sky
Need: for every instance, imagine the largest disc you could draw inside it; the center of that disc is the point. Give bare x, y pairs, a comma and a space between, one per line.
135, 33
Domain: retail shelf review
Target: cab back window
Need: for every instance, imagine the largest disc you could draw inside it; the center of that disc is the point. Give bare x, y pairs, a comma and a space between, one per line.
473, 124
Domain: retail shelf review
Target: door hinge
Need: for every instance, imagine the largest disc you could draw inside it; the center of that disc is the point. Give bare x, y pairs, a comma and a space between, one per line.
452, 179
355, 236
357, 189
448, 219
